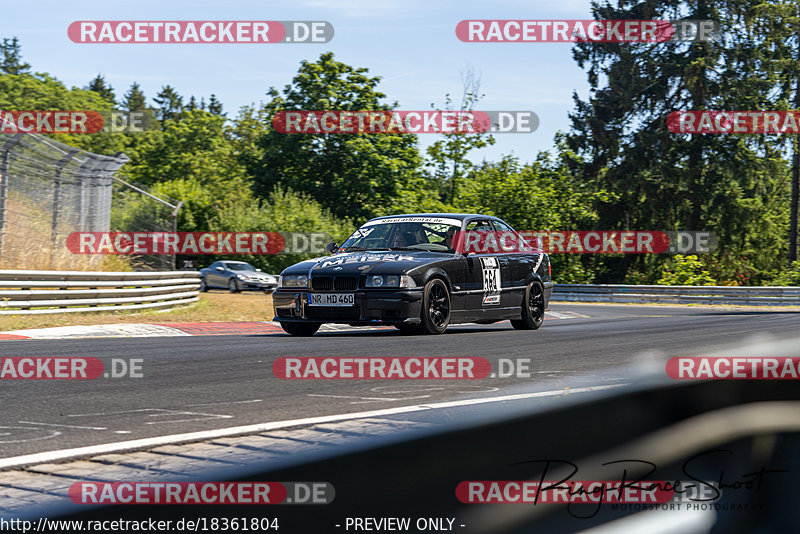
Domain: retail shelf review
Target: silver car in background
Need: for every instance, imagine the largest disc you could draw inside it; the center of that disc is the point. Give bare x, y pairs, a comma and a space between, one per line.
236, 276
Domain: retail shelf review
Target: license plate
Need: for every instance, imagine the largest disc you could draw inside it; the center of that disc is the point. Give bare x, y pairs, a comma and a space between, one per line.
331, 299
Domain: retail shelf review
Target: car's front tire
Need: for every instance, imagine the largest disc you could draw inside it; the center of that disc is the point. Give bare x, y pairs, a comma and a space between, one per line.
532, 308
301, 329
409, 328
435, 307
233, 285
203, 284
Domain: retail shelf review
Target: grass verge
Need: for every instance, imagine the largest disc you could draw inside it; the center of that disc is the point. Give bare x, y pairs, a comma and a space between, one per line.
213, 306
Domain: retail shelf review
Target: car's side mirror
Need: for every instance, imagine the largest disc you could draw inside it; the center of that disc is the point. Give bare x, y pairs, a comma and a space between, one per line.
220, 269
332, 247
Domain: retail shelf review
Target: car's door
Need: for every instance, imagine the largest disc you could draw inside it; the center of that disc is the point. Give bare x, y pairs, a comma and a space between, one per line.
214, 277
442, 234
512, 265
484, 266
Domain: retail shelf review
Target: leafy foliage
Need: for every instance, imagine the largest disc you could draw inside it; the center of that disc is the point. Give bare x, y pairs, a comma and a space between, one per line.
101, 87
789, 277
351, 175
170, 103
618, 167
282, 211
686, 271
11, 58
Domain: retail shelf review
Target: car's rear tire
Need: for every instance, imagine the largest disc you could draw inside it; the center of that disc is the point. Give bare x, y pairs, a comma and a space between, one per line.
301, 329
203, 284
233, 285
435, 307
532, 308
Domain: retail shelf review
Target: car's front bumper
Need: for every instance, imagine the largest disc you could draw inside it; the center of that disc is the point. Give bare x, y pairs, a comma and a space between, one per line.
256, 285
371, 306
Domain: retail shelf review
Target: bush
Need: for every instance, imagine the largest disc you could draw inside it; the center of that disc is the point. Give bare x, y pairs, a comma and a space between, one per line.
789, 277
283, 211
686, 271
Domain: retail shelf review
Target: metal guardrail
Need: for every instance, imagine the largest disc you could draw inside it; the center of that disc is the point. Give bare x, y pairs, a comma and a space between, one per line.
38, 292
738, 295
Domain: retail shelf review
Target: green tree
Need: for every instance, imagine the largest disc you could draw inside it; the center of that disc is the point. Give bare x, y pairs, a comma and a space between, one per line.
778, 24
214, 105
355, 175
448, 156
41, 91
134, 99
101, 87
541, 196
197, 147
170, 103
732, 185
11, 57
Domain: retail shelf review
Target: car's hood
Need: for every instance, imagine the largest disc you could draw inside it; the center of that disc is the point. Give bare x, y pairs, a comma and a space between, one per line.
379, 262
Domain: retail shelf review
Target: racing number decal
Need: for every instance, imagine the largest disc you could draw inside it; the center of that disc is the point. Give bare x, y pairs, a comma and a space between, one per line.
491, 280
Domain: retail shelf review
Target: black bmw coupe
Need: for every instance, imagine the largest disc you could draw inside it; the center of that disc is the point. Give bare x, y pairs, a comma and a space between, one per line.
419, 273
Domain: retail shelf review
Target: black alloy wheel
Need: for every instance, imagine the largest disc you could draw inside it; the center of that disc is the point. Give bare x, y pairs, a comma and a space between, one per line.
435, 307
532, 308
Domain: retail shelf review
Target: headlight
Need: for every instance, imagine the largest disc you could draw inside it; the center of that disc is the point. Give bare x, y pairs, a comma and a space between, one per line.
390, 280
407, 281
293, 280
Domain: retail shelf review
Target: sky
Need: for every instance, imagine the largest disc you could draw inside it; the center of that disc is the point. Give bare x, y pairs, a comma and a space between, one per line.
411, 44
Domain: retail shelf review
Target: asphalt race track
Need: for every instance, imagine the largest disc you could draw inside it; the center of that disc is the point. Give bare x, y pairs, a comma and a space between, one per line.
210, 382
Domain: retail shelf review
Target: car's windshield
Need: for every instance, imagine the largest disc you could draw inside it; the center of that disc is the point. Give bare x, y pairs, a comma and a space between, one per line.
240, 267
404, 234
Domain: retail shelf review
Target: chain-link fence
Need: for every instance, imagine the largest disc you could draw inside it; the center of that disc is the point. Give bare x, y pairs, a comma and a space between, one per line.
137, 208
47, 191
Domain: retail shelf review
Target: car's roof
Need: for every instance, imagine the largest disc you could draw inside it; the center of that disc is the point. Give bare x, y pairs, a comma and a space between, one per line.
460, 216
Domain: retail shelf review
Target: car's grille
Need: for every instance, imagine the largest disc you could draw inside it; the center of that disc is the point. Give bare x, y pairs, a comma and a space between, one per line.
345, 283
340, 283
321, 283
314, 312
